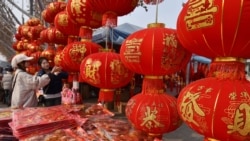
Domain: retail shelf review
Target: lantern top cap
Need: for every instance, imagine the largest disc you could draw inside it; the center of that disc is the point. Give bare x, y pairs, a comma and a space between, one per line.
152, 25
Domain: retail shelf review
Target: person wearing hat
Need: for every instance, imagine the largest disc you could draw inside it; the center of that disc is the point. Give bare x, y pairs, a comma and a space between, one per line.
7, 85
24, 84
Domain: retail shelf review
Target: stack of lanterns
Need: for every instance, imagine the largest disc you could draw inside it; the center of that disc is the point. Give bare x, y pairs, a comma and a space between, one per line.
154, 52
28, 41
217, 106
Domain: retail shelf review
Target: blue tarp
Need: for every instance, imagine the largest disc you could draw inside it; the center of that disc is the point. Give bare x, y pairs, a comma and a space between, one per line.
115, 35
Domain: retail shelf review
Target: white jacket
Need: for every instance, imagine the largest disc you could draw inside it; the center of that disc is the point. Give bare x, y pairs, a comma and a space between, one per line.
24, 88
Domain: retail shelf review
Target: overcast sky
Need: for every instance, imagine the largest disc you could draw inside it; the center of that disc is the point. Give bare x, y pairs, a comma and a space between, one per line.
168, 12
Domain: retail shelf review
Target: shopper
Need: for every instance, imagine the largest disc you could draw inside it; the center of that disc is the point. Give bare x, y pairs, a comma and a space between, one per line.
24, 84
52, 91
7, 85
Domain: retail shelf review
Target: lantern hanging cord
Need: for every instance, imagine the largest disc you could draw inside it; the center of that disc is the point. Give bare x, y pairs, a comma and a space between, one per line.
156, 12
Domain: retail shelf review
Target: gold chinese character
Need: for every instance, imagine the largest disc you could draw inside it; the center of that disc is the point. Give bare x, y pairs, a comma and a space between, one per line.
200, 14
241, 122
150, 120
189, 106
92, 70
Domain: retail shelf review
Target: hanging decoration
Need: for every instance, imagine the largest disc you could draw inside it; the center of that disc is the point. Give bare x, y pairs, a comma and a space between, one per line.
217, 106
153, 52
105, 71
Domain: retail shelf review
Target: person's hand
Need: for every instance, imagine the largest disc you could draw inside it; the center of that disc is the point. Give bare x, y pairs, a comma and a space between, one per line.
56, 70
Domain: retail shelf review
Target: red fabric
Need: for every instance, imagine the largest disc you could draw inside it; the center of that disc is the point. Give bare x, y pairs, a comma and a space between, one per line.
154, 51
106, 95
211, 29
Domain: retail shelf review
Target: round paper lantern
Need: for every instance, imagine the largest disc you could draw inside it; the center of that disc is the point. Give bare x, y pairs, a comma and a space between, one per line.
218, 106
75, 52
106, 71
112, 8
63, 23
152, 110
81, 13
154, 51
211, 29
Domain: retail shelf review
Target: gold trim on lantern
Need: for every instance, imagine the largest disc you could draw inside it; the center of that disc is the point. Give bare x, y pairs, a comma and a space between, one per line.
154, 135
107, 90
153, 77
85, 40
229, 59
151, 25
211, 139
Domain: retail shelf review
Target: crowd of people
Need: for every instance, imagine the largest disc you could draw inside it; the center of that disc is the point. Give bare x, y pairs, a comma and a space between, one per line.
20, 87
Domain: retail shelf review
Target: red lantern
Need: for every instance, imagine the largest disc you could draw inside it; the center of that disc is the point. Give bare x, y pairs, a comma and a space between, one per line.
49, 53
34, 32
80, 12
211, 29
51, 10
75, 52
65, 25
106, 71
218, 106
34, 46
36, 56
33, 22
112, 8
154, 51
152, 110
56, 37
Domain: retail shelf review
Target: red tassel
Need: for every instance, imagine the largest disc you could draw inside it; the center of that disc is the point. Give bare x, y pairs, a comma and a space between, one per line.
106, 95
234, 70
153, 85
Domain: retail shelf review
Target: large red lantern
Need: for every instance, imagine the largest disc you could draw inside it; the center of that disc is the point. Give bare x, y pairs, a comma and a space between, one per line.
106, 71
154, 51
111, 9
75, 52
218, 106
64, 24
152, 110
216, 102
211, 29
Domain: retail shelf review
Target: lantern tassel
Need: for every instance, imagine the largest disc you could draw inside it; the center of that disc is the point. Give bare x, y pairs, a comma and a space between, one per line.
106, 95
153, 84
226, 69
